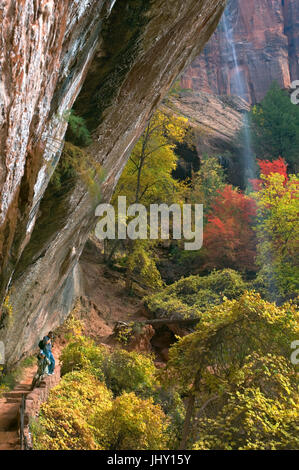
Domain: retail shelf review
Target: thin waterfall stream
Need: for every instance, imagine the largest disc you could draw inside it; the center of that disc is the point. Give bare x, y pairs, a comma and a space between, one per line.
238, 85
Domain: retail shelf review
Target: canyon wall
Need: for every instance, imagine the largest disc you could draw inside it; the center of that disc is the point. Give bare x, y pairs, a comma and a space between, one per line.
215, 119
45, 50
115, 60
266, 36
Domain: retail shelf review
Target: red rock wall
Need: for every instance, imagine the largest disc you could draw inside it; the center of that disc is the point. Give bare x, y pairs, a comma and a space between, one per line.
45, 49
120, 58
266, 36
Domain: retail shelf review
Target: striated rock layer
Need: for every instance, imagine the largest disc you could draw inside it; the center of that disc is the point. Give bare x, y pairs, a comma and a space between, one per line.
117, 59
266, 36
45, 50
216, 120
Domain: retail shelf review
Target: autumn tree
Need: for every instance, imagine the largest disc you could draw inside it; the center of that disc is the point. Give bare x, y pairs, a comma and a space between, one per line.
147, 179
207, 182
205, 363
132, 424
65, 420
229, 239
268, 168
277, 231
260, 414
81, 414
276, 166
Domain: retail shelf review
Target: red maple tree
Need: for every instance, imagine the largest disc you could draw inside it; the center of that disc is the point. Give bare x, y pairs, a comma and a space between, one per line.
229, 239
277, 166
267, 168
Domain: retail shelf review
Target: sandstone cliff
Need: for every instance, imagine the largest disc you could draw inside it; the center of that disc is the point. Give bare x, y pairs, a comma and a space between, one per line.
115, 59
215, 119
266, 37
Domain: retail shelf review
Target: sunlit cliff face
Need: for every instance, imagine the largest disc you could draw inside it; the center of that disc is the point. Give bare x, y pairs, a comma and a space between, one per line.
266, 38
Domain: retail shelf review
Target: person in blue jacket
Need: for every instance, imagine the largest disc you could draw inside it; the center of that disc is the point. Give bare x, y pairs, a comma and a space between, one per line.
48, 351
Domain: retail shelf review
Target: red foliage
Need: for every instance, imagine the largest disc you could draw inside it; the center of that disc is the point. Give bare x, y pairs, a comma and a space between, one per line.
229, 239
267, 168
277, 166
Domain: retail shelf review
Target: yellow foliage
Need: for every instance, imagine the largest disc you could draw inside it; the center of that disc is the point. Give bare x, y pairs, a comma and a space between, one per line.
65, 420
133, 424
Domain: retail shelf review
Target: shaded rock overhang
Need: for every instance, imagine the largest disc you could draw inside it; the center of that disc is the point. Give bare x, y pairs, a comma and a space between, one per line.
115, 60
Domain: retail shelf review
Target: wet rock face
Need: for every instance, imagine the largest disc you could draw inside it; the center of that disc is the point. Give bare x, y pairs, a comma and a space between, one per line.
45, 50
266, 37
127, 54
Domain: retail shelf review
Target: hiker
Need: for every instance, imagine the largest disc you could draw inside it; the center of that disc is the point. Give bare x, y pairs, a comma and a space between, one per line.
47, 349
42, 364
42, 368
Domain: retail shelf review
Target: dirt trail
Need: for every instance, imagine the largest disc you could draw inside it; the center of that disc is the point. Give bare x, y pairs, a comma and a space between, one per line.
9, 411
10, 402
107, 302
105, 290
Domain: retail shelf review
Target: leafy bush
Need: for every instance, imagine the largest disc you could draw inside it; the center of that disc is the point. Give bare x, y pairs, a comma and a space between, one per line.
262, 414
83, 354
212, 359
132, 424
65, 419
129, 372
120, 370
77, 131
191, 296
81, 415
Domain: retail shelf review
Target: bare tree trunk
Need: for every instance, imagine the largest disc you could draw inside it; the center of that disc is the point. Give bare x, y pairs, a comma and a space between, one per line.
141, 162
109, 257
129, 273
189, 412
187, 423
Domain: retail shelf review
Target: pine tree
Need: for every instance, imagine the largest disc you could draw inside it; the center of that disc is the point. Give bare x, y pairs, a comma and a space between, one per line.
275, 127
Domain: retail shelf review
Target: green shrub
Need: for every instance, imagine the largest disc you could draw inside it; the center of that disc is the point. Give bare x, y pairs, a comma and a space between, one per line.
83, 354
191, 296
77, 131
129, 372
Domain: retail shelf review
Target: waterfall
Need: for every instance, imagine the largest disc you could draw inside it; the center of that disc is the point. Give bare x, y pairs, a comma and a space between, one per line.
249, 160
239, 86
